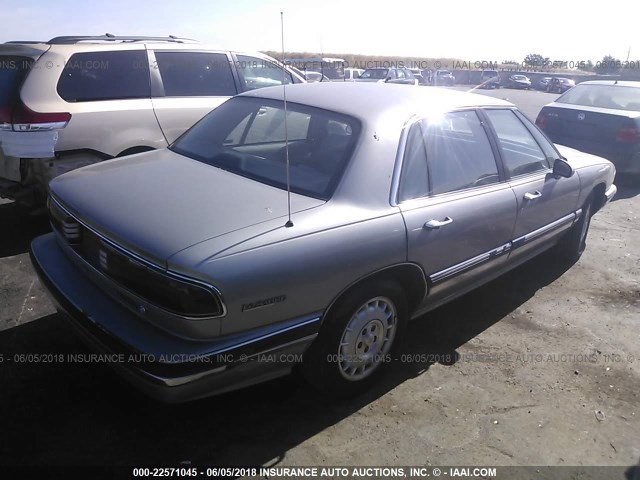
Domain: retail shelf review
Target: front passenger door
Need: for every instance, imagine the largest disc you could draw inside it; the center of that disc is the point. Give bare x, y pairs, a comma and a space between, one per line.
546, 204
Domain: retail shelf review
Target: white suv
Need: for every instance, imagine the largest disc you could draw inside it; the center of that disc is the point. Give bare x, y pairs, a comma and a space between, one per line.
74, 101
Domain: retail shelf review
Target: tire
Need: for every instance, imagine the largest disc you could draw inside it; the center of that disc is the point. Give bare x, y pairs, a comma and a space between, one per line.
572, 245
366, 324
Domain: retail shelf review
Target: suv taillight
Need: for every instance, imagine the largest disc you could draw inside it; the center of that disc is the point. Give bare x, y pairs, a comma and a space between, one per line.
26, 120
628, 134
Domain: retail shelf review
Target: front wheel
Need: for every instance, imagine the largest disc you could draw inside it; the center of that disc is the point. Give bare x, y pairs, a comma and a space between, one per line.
357, 340
573, 244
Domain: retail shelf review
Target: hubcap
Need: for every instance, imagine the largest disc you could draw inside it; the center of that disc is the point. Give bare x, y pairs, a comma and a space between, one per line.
367, 338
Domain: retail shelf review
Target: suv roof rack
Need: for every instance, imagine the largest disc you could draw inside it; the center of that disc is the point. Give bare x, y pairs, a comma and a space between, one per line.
24, 42
108, 37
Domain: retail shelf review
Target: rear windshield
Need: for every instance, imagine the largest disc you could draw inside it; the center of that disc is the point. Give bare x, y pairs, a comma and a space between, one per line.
489, 73
604, 96
12, 73
246, 136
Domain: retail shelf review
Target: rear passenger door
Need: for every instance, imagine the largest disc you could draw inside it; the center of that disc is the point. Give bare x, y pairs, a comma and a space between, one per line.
459, 211
186, 85
546, 203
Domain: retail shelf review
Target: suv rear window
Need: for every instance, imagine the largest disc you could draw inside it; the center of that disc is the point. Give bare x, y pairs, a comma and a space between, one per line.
12, 72
246, 136
95, 76
195, 74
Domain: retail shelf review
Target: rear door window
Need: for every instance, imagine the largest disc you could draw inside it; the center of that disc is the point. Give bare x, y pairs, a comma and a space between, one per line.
459, 153
195, 74
445, 154
93, 76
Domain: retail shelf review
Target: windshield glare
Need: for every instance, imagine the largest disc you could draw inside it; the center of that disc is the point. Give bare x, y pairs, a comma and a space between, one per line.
604, 96
246, 136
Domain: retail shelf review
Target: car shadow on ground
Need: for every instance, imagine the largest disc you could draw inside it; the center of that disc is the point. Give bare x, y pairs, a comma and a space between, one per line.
80, 413
19, 227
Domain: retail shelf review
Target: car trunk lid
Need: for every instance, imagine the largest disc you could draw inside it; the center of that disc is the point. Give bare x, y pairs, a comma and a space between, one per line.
158, 203
579, 126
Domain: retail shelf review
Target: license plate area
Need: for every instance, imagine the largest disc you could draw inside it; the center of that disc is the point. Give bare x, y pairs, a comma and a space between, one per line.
10, 168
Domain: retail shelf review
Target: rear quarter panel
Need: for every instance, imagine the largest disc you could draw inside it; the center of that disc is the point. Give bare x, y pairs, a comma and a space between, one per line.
328, 249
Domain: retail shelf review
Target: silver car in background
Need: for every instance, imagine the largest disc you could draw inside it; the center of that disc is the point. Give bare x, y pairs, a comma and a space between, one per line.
401, 200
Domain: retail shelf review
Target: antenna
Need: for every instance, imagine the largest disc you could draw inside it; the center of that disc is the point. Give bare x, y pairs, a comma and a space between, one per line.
286, 133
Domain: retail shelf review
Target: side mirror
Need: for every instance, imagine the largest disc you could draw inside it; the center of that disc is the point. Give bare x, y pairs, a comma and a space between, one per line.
561, 168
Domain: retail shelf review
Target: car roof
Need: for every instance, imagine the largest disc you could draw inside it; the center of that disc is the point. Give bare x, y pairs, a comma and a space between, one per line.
621, 83
368, 101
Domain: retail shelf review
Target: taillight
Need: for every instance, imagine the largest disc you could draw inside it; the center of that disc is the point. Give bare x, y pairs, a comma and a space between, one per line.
26, 120
629, 134
541, 121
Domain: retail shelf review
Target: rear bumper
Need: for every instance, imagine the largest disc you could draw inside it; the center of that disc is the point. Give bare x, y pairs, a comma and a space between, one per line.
166, 367
29, 144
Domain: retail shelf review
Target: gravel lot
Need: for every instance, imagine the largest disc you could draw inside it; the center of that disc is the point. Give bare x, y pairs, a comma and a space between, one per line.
540, 367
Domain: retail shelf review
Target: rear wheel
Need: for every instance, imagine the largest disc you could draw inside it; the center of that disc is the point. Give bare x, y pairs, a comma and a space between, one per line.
357, 339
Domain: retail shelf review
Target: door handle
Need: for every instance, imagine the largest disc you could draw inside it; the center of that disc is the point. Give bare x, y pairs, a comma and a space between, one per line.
532, 196
432, 224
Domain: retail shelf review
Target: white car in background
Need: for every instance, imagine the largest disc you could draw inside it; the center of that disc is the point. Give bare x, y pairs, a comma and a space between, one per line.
351, 74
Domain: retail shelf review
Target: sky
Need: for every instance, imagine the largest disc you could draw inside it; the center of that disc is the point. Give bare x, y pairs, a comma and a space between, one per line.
465, 29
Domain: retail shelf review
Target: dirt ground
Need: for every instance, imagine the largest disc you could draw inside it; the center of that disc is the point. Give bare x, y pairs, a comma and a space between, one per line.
540, 367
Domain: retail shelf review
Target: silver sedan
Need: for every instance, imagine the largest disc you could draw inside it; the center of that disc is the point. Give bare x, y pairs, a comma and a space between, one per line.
272, 236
